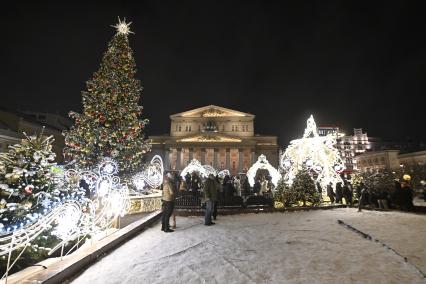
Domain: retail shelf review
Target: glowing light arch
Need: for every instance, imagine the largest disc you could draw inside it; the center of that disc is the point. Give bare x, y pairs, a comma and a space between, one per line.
194, 166
263, 164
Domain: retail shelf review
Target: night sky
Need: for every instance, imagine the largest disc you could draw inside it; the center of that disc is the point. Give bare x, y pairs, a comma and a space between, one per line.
353, 65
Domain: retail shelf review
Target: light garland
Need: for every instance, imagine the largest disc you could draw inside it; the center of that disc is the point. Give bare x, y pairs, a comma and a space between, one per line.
262, 163
316, 153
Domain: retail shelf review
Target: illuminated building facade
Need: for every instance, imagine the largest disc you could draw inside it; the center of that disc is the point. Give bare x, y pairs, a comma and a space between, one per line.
216, 136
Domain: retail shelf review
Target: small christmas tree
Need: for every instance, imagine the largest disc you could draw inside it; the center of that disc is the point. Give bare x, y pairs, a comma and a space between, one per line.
285, 194
304, 186
111, 124
25, 172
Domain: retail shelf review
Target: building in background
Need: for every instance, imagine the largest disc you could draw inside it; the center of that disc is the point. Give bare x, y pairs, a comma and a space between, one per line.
392, 160
14, 123
378, 160
216, 136
349, 146
8, 137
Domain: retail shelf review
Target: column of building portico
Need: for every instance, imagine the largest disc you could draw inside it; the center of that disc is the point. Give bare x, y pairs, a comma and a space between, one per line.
228, 159
179, 159
167, 159
203, 156
191, 154
253, 157
216, 158
240, 160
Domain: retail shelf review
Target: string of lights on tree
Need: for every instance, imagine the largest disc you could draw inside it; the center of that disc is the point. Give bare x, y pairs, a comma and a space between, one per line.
110, 124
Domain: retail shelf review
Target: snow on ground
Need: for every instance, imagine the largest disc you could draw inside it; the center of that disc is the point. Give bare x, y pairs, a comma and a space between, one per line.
299, 247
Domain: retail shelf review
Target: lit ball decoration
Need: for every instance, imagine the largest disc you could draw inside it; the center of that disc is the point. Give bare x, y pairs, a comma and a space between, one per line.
406, 177
263, 164
316, 153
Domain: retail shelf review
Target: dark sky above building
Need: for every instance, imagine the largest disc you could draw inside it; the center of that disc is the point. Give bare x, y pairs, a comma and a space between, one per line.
359, 64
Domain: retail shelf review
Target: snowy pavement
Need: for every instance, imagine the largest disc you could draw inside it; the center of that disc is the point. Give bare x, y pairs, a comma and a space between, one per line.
299, 247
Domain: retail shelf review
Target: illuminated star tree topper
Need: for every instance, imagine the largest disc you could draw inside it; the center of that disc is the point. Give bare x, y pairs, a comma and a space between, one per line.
122, 27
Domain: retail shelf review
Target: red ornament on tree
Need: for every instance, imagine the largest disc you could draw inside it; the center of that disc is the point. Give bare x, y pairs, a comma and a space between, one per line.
29, 189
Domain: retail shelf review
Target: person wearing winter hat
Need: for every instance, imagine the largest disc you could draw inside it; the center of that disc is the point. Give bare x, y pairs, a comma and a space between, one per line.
167, 203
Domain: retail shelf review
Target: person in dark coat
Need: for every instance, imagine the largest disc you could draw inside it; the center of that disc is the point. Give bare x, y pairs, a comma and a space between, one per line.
407, 197
195, 183
225, 183
210, 197
188, 181
347, 194
339, 192
257, 186
246, 186
319, 189
330, 192
84, 185
218, 186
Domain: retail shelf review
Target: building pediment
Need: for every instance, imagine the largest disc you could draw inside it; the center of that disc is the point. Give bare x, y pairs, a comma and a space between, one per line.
211, 111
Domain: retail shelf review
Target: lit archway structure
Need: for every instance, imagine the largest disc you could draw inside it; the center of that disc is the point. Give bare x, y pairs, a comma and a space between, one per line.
316, 153
195, 166
263, 164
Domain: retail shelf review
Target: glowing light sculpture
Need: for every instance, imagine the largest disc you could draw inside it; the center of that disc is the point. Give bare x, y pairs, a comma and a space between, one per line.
194, 166
317, 153
151, 176
263, 164
224, 173
210, 170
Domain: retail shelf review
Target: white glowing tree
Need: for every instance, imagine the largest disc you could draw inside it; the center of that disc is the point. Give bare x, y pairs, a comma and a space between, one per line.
316, 153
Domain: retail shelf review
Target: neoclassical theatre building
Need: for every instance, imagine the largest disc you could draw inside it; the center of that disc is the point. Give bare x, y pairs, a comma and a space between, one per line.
216, 136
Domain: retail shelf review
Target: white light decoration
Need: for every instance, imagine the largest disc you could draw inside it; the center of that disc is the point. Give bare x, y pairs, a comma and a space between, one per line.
316, 153
194, 166
224, 173
210, 170
151, 176
263, 164
74, 216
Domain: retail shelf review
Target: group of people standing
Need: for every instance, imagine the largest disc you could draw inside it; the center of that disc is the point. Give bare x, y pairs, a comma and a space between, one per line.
344, 191
400, 197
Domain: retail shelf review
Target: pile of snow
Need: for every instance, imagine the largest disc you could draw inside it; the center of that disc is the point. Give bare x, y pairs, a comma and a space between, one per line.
299, 247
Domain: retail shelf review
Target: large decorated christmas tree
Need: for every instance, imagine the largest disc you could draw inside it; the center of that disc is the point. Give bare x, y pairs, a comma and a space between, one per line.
111, 123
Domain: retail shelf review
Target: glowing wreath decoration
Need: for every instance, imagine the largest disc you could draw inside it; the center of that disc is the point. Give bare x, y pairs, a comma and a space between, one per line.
317, 153
263, 164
